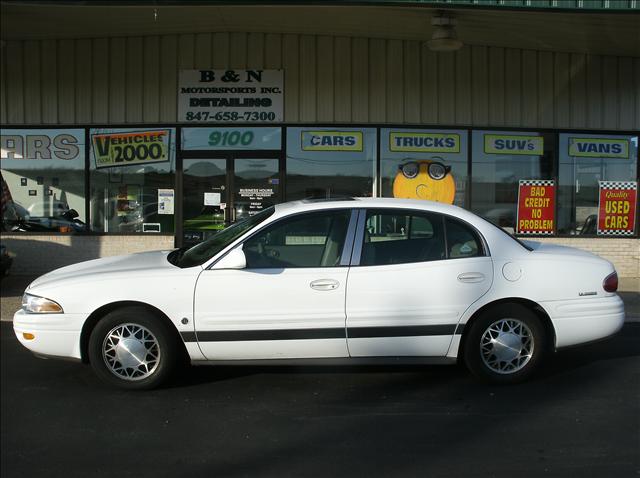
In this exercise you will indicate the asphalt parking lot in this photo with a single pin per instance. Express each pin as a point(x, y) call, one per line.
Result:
point(579, 417)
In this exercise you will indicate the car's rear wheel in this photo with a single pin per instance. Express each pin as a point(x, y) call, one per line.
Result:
point(505, 344)
point(133, 349)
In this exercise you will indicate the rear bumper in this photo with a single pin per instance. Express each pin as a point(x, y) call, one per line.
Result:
point(55, 335)
point(585, 320)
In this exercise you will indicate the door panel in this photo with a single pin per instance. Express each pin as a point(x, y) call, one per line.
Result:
point(410, 309)
point(414, 275)
point(270, 314)
point(286, 303)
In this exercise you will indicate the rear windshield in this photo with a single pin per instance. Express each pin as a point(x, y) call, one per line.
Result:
point(527, 247)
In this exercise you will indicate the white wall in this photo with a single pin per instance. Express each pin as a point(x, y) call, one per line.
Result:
point(327, 79)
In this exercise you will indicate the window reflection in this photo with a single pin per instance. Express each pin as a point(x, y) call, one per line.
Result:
point(42, 180)
point(500, 159)
point(329, 162)
point(586, 159)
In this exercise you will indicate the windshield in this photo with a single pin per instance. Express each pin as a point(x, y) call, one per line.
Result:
point(201, 253)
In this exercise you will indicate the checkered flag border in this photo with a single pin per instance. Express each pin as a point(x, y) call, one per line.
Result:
point(632, 185)
point(536, 182)
point(615, 233)
point(535, 233)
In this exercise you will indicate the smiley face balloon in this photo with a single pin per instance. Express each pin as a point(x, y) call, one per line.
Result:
point(429, 180)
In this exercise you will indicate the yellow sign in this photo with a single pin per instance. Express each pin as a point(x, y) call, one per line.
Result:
point(424, 142)
point(131, 147)
point(332, 141)
point(513, 144)
point(599, 148)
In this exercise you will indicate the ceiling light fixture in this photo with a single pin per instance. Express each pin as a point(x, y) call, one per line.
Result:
point(444, 37)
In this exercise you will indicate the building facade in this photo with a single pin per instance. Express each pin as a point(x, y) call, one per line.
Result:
point(161, 131)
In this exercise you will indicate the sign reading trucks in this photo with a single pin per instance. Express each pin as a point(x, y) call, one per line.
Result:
point(230, 96)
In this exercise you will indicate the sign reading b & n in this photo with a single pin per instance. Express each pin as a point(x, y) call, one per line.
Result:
point(536, 206)
point(617, 208)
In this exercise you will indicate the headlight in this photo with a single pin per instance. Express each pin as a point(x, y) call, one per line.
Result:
point(39, 305)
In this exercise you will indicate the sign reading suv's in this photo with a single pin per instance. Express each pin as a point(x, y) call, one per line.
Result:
point(230, 96)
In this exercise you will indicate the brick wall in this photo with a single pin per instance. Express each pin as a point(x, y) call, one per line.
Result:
point(37, 254)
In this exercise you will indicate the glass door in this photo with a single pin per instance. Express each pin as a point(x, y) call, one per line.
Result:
point(220, 191)
point(256, 186)
point(205, 198)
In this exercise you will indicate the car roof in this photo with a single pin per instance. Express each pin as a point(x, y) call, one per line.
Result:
point(293, 207)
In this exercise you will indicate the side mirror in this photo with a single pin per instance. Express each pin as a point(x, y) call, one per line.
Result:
point(233, 260)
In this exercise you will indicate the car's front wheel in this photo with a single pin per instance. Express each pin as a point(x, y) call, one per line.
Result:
point(131, 348)
point(505, 344)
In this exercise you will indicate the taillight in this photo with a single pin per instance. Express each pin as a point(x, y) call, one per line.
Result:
point(610, 283)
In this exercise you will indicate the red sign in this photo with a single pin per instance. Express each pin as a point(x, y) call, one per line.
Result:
point(617, 208)
point(536, 206)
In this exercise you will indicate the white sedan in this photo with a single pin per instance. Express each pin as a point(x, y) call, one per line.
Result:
point(342, 281)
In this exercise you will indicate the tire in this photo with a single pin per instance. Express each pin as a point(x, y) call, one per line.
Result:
point(516, 355)
point(131, 348)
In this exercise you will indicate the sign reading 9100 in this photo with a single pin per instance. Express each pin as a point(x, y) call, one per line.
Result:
point(131, 147)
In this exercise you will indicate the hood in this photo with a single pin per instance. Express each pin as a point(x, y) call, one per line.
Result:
point(107, 265)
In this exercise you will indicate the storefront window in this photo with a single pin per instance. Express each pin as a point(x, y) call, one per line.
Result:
point(500, 161)
point(324, 163)
point(132, 177)
point(43, 180)
point(424, 164)
point(593, 169)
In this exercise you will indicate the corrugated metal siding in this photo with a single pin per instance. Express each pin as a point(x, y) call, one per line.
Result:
point(327, 79)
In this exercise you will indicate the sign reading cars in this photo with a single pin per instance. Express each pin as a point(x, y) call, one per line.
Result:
point(131, 147)
point(332, 141)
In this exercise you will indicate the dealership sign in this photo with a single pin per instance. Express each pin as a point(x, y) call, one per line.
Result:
point(536, 206)
point(230, 96)
point(130, 147)
point(41, 144)
point(617, 208)
point(513, 144)
point(424, 142)
point(599, 148)
point(332, 141)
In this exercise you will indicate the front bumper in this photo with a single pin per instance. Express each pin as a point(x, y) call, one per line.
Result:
point(585, 320)
point(55, 335)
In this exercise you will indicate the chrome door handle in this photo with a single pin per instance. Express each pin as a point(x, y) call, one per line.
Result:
point(471, 277)
point(324, 284)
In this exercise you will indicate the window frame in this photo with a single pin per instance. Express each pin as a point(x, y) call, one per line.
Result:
point(347, 250)
point(358, 246)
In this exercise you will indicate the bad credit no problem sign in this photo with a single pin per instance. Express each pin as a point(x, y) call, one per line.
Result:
point(536, 206)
